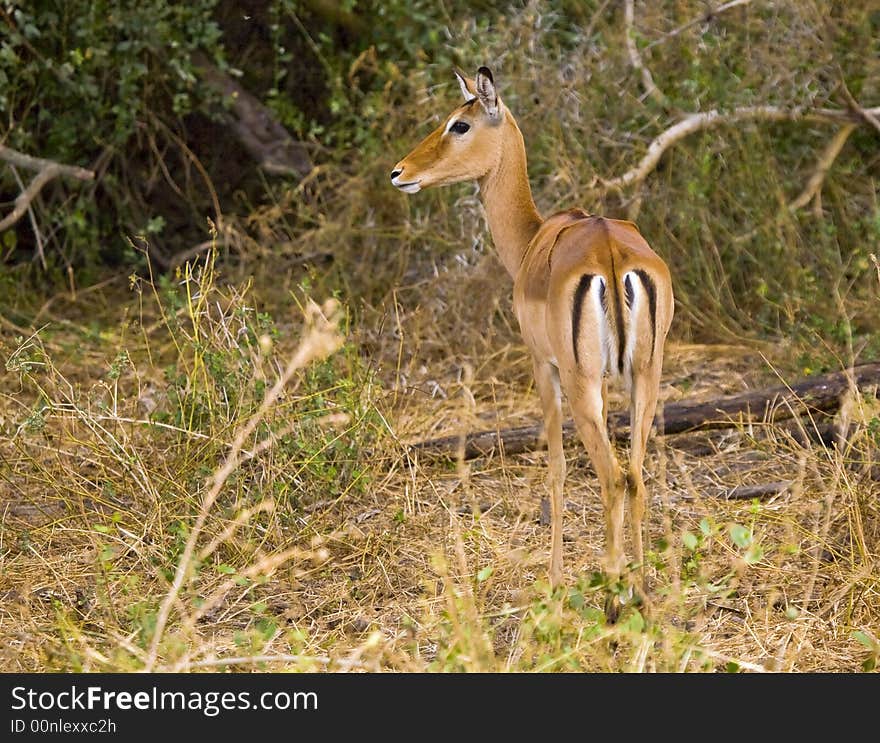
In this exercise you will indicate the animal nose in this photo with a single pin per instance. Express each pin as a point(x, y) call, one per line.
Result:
point(396, 172)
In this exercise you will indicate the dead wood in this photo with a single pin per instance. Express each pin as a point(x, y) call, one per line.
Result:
point(255, 126)
point(46, 170)
point(703, 120)
point(747, 492)
point(815, 395)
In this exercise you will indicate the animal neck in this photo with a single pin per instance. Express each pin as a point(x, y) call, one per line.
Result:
point(507, 198)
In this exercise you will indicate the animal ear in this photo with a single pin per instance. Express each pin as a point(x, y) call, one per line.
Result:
point(467, 86)
point(485, 89)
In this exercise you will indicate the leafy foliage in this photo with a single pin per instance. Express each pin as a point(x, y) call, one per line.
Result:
point(99, 84)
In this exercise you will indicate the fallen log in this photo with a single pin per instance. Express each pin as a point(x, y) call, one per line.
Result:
point(747, 492)
point(819, 394)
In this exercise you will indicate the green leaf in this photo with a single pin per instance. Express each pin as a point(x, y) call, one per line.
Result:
point(225, 569)
point(740, 535)
point(635, 622)
point(690, 541)
point(864, 638)
point(266, 627)
point(753, 554)
point(484, 573)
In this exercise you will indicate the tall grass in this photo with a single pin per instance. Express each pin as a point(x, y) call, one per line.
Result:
point(185, 458)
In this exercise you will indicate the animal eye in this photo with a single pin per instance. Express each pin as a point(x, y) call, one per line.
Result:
point(460, 127)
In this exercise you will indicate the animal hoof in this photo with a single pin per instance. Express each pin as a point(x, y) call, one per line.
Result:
point(612, 608)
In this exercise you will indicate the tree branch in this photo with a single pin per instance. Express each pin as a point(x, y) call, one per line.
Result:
point(41, 253)
point(705, 18)
point(46, 171)
point(828, 40)
point(866, 115)
point(701, 121)
point(823, 165)
point(635, 58)
point(256, 127)
point(813, 189)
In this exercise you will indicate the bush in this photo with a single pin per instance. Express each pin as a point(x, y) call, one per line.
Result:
point(103, 85)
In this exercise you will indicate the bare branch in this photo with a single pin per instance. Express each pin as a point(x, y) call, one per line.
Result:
point(747, 492)
point(828, 40)
point(46, 171)
point(813, 189)
point(808, 396)
point(823, 165)
point(635, 58)
point(705, 18)
point(697, 122)
point(29, 162)
point(41, 253)
point(255, 126)
point(865, 114)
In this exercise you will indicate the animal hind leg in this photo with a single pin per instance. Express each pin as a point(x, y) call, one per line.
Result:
point(643, 405)
point(547, 382)
point(587, 406)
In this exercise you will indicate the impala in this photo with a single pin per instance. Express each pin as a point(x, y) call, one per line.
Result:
point(592, 299)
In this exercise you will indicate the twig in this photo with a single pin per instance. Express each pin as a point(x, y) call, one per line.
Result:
point(705, 18)
point(813, 189)
point(254, 659)
point(866, 115)
point(701, 121)
point(178, 259)
point(46, 170)
point(823, 165)
point(635, 58)
point(827, 39)
point(41, 253)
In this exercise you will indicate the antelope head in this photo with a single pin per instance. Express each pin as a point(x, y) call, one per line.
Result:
point(465, 147)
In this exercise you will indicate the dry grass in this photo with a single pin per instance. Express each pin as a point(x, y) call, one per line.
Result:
point(411, 565)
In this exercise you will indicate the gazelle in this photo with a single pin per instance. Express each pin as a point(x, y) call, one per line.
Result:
point(591, 297)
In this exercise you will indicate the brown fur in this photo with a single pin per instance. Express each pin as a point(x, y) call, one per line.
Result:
point(547, 259)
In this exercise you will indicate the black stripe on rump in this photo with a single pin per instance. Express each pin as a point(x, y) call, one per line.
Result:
point(620, 329)
point(577, 309)
point(628, 292)
point(651, 291)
